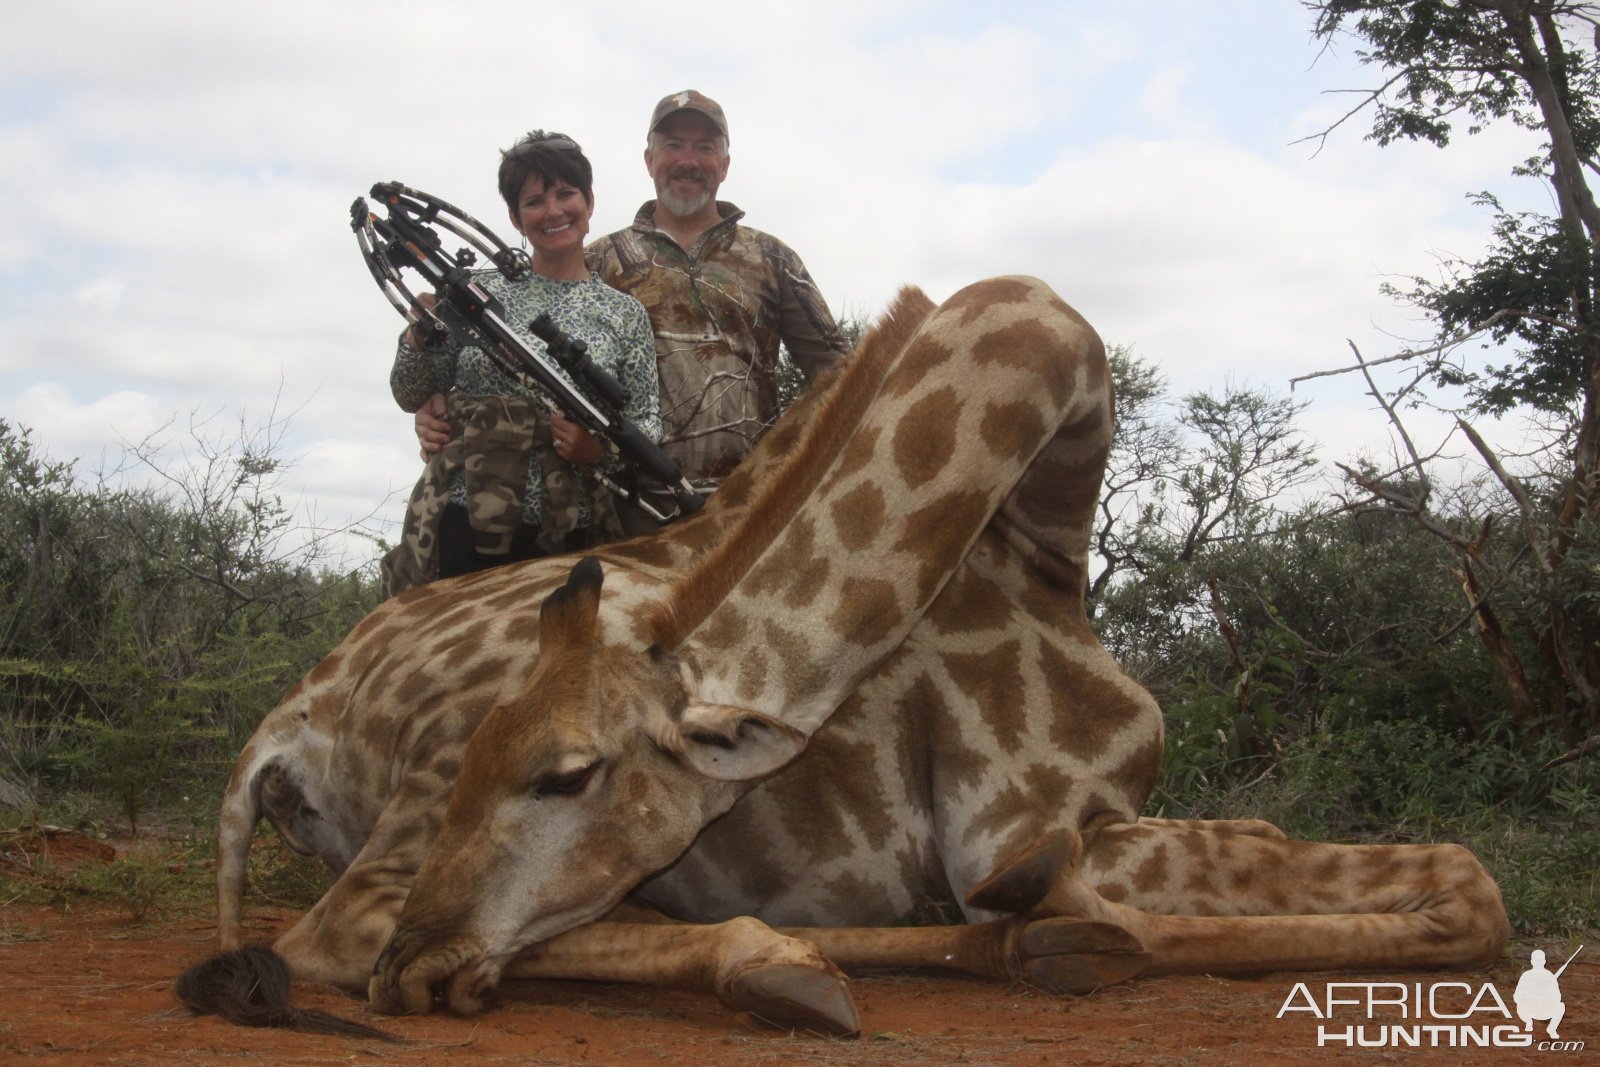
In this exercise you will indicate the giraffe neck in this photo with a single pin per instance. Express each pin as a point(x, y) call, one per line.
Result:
point(838, 578)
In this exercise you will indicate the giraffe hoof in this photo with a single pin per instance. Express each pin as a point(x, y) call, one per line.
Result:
point(1078, 956)
point(796, 998)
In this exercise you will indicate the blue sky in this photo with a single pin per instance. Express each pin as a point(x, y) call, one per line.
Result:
point(178, 176)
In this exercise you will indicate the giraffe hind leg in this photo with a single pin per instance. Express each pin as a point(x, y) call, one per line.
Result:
point(1208, 902)
point(1191, 900)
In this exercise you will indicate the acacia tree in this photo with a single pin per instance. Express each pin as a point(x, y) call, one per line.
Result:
point(1189, 473)
point(1535, 295)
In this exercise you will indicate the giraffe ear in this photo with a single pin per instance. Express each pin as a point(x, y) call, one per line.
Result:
point(732, 744)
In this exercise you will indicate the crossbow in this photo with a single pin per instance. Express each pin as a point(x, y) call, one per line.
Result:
point(466, 312)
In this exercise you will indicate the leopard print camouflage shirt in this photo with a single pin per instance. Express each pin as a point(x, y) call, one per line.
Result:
point(614, 326)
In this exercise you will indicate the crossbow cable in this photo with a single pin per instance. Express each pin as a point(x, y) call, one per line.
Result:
point(464, 310)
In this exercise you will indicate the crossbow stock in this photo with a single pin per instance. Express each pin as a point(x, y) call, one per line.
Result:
point(470, 315)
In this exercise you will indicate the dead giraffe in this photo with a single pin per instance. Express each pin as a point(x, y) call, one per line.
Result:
point(899, 594)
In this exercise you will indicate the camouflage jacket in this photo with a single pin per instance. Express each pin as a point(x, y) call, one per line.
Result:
point(618, 335)
point(719, 311)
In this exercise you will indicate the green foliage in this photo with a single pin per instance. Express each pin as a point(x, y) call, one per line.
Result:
point(1448, 60)
point(149, 631)
point(1533, 265)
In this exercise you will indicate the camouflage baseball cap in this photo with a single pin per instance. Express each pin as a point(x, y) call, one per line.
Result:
point(689, 100)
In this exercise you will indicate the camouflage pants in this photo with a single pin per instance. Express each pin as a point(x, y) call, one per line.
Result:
point(494, 438)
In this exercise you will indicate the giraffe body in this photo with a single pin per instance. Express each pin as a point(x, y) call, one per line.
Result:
point(892, 584)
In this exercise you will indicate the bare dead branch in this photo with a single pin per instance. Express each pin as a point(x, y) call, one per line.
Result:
point(1417, 353)
point(1586, 748)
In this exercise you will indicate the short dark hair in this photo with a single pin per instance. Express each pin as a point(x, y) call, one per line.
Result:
point(552, 157)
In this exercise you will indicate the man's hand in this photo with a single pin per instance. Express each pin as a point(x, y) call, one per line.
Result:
point(433, 432)
point(573, 443)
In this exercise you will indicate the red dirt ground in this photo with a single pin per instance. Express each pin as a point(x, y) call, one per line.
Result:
point(90, 987)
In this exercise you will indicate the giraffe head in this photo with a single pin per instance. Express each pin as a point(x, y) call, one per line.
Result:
point(600, 772)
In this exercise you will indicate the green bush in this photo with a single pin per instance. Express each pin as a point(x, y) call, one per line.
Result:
point(149, 632)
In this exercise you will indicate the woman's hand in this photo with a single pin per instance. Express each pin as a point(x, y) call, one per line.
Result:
point(573, 443)
point(416, 331)
point(433, 432)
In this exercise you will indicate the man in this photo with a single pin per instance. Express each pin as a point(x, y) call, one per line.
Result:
point(721, 296)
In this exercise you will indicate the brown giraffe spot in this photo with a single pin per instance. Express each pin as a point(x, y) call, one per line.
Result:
point(752, 673)
point(1115, 892)
point(1111, 845)
point(868, 611)
point(855, 786)
point(1012, 431)
point(802, 673)
point(456, 616)
point(773, 571)
point(956, 763)
point(920, 360)
point(925, 437)
point(1018, 345)
point(858, 516)
point(1201, 865)
point(1151, 875)
point(938, 534)
point(1137, 773)
point(725, 628)
point(523, 628)
point(970, 603)
point(992, 680)
point(983, 296)
point(858, 453)
point(489, 672)
point(806, 582)
point(330, 665)
point(1008, 817)
point(1086, 712)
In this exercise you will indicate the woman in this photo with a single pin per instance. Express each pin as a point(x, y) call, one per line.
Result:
point(515, 482)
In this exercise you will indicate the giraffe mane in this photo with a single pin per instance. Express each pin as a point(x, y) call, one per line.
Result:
point(850, 392)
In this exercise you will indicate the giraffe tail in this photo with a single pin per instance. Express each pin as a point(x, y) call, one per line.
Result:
point(250, 987)
point(241, 810)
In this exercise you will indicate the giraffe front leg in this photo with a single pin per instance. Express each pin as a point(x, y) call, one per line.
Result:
point(782, 981)
point(337, 940)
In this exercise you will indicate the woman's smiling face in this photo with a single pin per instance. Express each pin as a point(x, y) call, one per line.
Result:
point(555, 219)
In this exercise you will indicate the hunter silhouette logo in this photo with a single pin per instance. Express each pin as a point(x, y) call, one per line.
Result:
point(1449, 1014)
point(1538, 994)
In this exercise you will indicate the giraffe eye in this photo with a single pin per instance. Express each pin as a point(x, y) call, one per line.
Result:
point(565, 783)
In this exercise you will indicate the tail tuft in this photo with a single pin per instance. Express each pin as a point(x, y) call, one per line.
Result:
point(250, 987)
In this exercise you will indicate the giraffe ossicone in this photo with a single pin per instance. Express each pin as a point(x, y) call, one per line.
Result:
point(861, 681)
